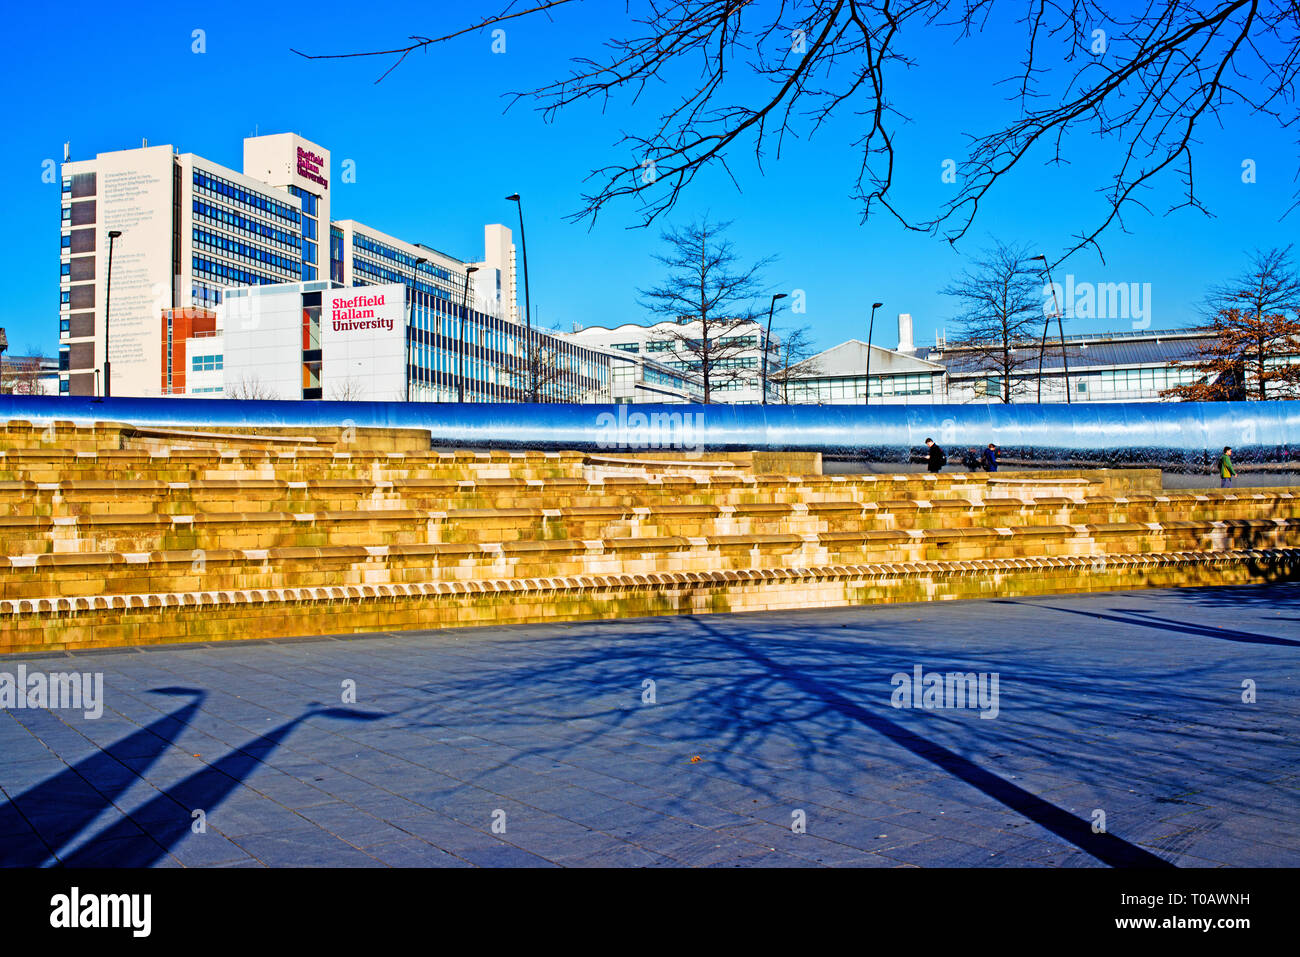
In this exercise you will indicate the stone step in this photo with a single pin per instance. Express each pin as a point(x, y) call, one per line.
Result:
point(170, 529)
point(88, 574)
point(301, 466)
point(71, 497)
point(61, 623)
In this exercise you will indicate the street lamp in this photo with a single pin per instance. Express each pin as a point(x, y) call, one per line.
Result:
point(871, 328)
point(1042, 346)
point(108, 299)
point(528, 312)
point(767, 343)
point(410, 327)
point(460, 339)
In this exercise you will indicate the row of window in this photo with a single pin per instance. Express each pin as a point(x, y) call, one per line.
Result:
point(726, 362)
point(232, 275)
point(403, 259)
point(657, 377)
point(205, 295)
point(673, 345)
point(246, 253)
point(381, 275)
point(734, 385)
point(1137, 380)
point(309, 200)
point(211, 183)
point(206, 363)
point(235, 221)
point(851, 387)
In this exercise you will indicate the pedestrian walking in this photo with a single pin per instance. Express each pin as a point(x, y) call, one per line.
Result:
point(991, 458)
point(937, 459)
point(1225, 469)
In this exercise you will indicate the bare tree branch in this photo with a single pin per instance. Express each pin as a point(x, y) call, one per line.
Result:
point(1147, 76)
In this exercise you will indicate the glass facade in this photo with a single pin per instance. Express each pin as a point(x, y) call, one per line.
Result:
point(242, 237)
point(841, 389)
point(494, 358)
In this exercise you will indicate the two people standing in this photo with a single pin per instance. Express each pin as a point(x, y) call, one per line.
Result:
point(937, 458)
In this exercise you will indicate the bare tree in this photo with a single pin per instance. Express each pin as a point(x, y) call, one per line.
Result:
point(1254, 349)
point(794, 360)
point(1001, 298)
point(546, 381)
point(710, 296)
point(250, 387)
point(350, 390)
point(1145, 76)
point(21, 375)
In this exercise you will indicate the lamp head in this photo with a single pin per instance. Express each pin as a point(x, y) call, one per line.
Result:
point(114, 233)
point(876, 305)
point(512, 198)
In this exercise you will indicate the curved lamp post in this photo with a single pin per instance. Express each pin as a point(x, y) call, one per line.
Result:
point(871, 328)
point(108, 294)
point(460, 339)
point(1060, 329)
point(410, 330)
point(767, 343)
point(528, 310)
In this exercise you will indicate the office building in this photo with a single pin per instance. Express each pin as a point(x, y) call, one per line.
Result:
point(180, 230)
point(1131, 366)
point(735, 366)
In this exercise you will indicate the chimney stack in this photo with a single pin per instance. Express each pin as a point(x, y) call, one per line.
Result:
point(905, 343)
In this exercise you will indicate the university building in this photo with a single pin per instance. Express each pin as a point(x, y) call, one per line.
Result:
point(390, 343)
point(735, 372)
point(1132, 366)
point(181, 230)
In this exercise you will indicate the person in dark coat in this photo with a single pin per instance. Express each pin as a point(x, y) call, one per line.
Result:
point(937, 458)
point(991, 458)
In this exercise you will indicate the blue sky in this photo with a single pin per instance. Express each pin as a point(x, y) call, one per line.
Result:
point(435, 152)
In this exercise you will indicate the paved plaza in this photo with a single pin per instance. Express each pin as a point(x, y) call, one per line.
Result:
point(1116, 735)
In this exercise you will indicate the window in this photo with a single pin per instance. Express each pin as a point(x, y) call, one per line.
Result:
point(67, 214)
point(65, 269)
point(65, 241)
point(206, 363)
point(83, 213)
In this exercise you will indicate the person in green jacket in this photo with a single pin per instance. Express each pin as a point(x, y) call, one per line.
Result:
point(1224, 465)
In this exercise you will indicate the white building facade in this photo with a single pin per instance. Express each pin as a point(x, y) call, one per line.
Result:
point(188, 229)
point(735, 369)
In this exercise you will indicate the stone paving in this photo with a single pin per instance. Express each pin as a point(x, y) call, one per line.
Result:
point(693, 741)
